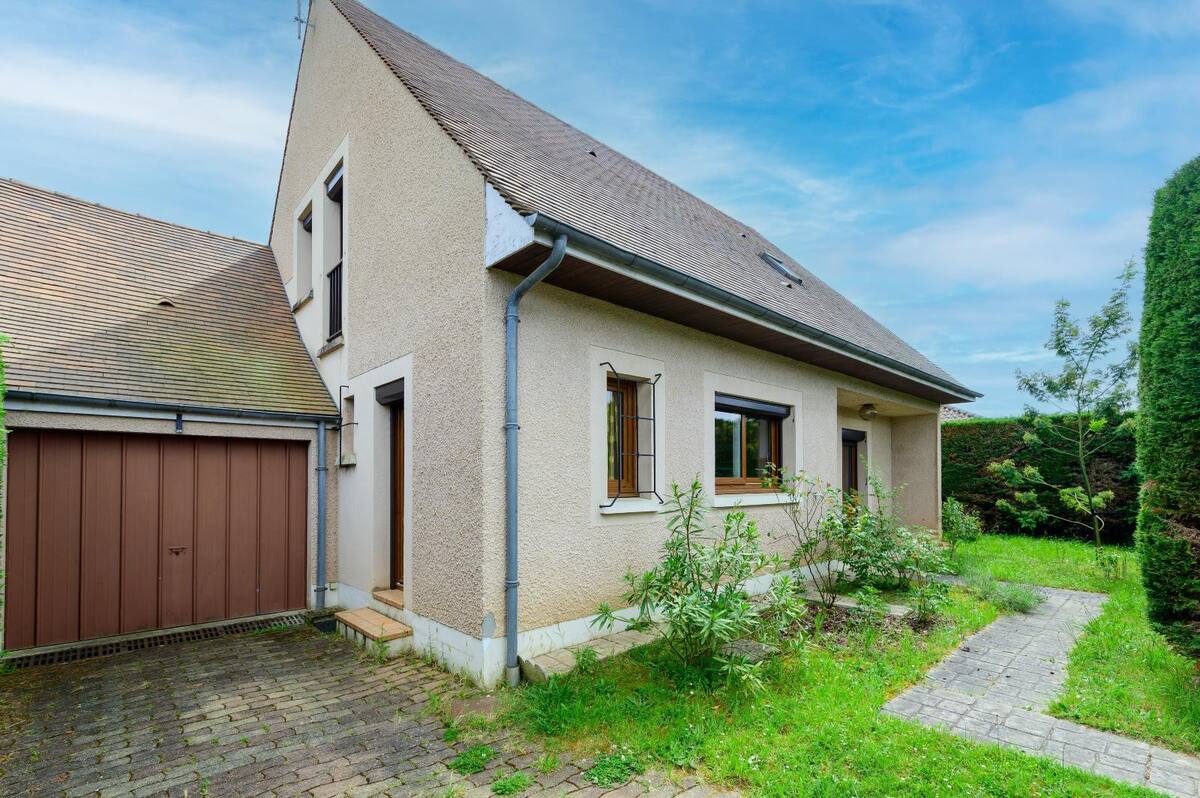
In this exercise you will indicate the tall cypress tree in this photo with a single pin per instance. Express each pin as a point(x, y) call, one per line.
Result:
point(1168, 432)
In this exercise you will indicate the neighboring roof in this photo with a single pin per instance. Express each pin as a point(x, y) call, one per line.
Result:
point(80, 293)
point(952, 413)
point(540, 164)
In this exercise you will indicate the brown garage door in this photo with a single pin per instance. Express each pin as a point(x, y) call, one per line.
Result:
point(110, 534)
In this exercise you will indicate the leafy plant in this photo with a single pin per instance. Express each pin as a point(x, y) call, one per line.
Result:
point(877, 547)
point(698, 587)
point(613, 769)
point(586, 659)
point(870, 608)
point(473, 760)
point(928, 600)
point(1168, 432)
point(1091, 392)
point(512, 783)
point(815, 523)
point(959, 524)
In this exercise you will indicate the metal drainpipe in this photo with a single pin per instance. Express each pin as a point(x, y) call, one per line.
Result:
point(512, 670)
point(321, 471)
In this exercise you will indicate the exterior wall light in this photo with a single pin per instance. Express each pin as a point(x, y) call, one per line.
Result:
point(867, 412)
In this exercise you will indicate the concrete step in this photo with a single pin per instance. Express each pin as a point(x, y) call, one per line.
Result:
point(389, 603)
point(374, 631)
point(553, 663)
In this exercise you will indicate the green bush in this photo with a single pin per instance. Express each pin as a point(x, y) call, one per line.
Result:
point(698, 589)
point(1168, 432)
point(959, 523)
point(969, 446)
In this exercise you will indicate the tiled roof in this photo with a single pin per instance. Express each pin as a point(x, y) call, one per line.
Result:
point(540, 164)
point(952, 413)
point(82, 289)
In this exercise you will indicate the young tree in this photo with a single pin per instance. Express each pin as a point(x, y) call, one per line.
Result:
point(1168, 430)
point(1090, 392)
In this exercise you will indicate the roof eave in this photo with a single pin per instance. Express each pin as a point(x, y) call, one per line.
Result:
point(613, 256)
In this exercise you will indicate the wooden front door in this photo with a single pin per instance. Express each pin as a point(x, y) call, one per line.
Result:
point(397, 483)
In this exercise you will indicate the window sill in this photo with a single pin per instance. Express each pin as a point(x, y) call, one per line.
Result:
point(302, 301)
point(750, 499)
point(332, 345)
point(627, 506)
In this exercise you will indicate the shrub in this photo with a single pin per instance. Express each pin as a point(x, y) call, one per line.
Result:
point(698, 588)
point(928, 600)
point(969, 446)
point(814, 528)
point(959, 524)
point(1168, 429)
point(879, 549)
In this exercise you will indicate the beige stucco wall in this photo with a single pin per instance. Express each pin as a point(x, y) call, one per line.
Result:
point(414, 216)
point(572, 556)
point(917, 464)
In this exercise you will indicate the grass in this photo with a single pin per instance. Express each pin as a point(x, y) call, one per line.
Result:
point(1050, 562)
point(1122, 677)
point(512, 784)
point(813, 730)
point(473, 760)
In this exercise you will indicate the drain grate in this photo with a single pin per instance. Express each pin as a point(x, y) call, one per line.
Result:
point(166, 638)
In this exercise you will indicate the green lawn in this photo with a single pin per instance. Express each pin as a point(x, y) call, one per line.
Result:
point(814, 730)
point(1122, 676)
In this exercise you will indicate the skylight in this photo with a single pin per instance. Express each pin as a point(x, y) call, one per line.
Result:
point(779, 266)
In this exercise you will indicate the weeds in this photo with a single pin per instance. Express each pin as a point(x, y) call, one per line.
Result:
point(473, 760)
point(512, 784)
point(613, 769)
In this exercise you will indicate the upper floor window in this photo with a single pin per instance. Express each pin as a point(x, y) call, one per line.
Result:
point(748, 437)
point(335, 228)
point(304, 246)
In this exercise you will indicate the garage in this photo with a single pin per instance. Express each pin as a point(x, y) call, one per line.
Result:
point(113, 533)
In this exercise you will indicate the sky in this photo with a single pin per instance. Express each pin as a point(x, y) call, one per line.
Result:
point(952, 168)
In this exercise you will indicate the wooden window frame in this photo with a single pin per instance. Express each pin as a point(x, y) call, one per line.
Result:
point(626, 485)
point(753, 484)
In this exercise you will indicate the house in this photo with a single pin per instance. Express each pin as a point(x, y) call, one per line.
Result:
point(422, 212)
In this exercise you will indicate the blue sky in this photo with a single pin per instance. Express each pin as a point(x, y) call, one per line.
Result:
point(954, 168)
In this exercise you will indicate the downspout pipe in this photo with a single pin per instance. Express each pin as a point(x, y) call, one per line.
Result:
point(322, 470)
point(512, 669)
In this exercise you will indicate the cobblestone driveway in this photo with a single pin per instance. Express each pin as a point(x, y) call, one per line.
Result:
point(286, 713)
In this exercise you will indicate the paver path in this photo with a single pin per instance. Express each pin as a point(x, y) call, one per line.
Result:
point(997, 685)
point(282, 713)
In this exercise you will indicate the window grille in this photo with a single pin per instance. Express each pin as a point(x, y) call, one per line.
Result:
point(631, 450)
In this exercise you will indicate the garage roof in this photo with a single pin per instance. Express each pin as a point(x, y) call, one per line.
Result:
point(543, 165)
point(102, 303)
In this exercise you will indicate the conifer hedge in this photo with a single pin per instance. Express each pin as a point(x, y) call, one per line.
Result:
point(969, 445)
point(1168, 431)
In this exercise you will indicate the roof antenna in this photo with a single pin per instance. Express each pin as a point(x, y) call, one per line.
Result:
point(301, 22)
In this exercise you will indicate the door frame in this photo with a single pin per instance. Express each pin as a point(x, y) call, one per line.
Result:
point(396, 494)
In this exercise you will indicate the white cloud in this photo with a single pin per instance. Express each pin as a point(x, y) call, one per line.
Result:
point(1008, 356)
point(1167, 18)
point(221, 114)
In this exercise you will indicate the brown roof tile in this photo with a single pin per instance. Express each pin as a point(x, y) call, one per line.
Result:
point(80, 287)
point(540, 164)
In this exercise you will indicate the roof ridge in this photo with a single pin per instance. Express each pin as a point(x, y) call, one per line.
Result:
point(155, 219)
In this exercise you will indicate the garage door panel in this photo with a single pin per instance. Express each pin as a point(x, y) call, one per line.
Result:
point(58, 539)
point(243, 528)
point(178, 532)
point(272, 527)
point(100, 552)
point(297, 512)
point(212, 515)
point(20, 605)
point(112, 533)
point(139, 539)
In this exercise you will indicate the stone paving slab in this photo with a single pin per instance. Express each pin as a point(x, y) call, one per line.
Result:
point(287, 713)
point(997, 685)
